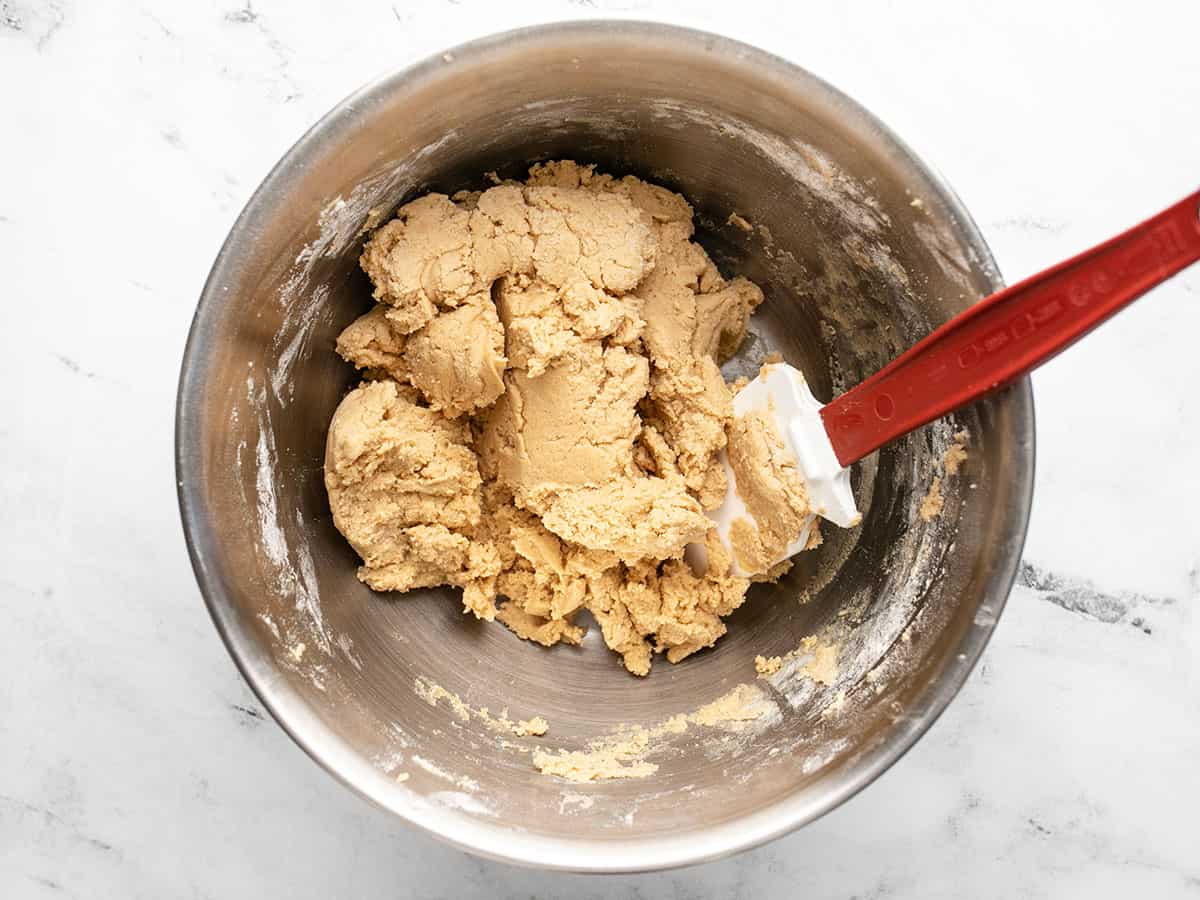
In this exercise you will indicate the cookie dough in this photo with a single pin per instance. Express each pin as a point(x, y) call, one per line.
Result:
point(771, 486)
point(767, 665)
point(405, 490)
point(542, 413)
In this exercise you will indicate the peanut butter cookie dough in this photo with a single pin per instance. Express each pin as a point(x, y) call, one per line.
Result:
point(542, 412)
point(771, 486)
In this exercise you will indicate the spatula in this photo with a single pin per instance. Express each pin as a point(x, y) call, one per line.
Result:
point(981, 350)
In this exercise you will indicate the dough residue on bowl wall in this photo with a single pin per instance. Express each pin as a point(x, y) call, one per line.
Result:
point(816, 660)
point(624, 753)
point(433, 694)
point(956, 454)
point(742, 711)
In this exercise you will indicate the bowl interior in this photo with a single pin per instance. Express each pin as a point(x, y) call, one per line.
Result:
point(859, 252)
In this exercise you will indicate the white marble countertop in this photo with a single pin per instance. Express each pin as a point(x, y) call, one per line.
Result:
point(134, 762)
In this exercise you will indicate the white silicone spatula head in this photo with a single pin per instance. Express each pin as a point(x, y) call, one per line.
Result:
point(783, 391)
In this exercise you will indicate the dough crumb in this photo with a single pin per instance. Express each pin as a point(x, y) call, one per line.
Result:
point(818, 661)
point(821, 665)
point(767, 665)
point(931, 506)
point(956, 453)
point(739, 222)
point(536, 727)
point(433, 693)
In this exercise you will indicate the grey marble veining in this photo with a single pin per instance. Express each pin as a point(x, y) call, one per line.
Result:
point(133, 761)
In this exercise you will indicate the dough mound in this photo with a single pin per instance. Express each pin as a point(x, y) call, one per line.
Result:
point(405, 491)
point(543, 411)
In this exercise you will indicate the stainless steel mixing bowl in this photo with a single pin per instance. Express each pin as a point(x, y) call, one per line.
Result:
point(860, 250)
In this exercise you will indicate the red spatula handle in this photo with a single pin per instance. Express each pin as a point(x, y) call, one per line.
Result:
point(1010, 333)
